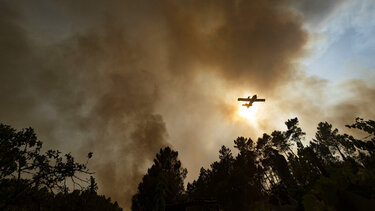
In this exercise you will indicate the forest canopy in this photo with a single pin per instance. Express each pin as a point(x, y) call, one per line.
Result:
point(278, 171)
point(35, 179)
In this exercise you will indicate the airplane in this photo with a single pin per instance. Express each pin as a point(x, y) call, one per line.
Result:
point(251, 100)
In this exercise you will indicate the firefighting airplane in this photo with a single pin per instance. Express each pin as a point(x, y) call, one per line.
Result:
point(251, 100)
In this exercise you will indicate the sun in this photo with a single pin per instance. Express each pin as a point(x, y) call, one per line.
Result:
point(249, 114)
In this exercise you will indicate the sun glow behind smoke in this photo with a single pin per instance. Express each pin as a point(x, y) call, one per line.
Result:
point(250, 114)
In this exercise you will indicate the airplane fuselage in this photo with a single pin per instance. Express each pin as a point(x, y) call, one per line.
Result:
point(251, 100)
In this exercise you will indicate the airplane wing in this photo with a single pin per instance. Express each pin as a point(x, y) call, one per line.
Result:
point(244, 99)
point(260, 100)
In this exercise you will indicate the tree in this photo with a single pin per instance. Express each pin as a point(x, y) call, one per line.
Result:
point(32, 180)
point(163, 184)
point(329, 138)
point(269, 175)
point(368, 142)
point(294, 132)
point(24, 167)
point(233, 182)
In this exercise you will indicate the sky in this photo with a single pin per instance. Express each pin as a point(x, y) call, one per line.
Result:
point(124, 78)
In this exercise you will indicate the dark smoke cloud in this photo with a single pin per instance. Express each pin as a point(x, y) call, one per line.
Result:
point(93, 90)
point(315, 11)
point(123, 79)
point(237, 39)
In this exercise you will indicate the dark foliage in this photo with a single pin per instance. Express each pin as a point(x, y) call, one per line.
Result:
point(279, 172)
point(163, 183)
point(32, 180)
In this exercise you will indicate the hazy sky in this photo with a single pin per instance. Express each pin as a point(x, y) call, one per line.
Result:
point(344, 45)
point(124, 78)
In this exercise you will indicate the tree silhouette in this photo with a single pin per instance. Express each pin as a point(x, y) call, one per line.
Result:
point(32, 180)
point(282, 172)
point(163, 184)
